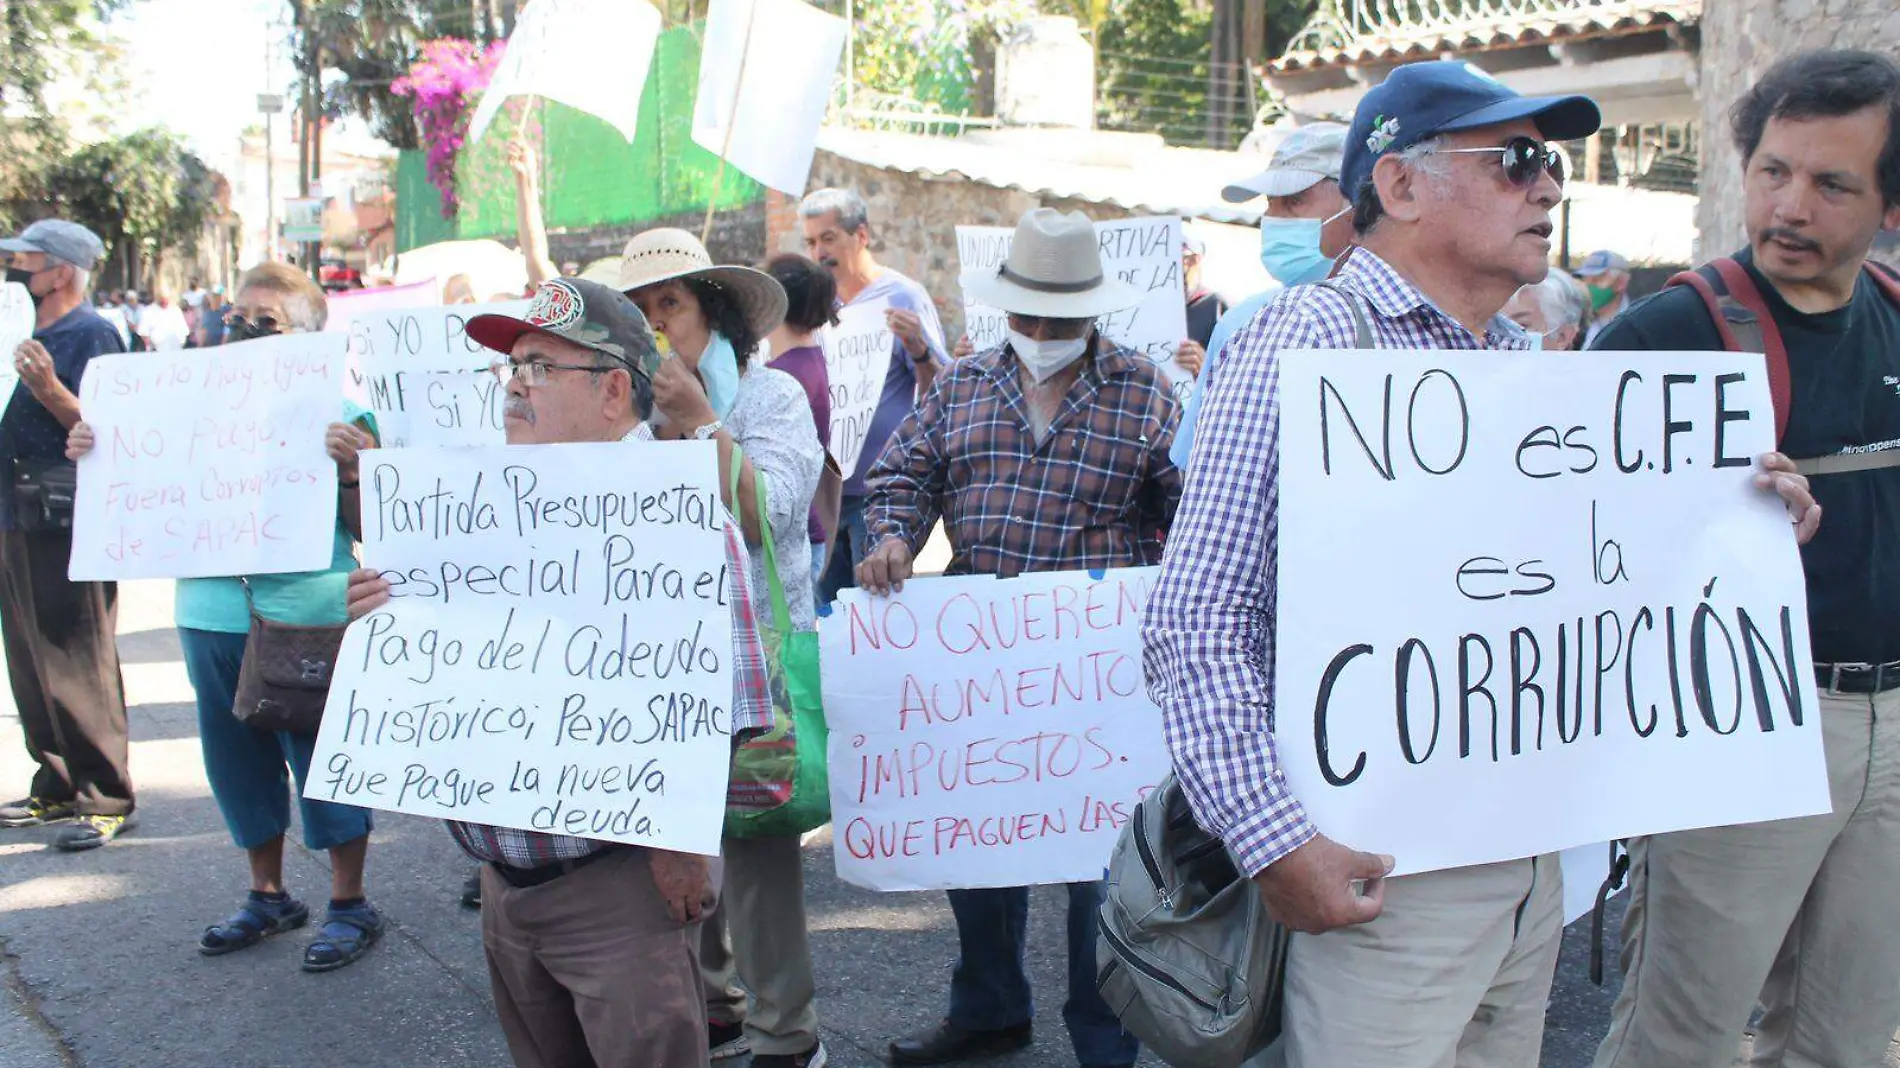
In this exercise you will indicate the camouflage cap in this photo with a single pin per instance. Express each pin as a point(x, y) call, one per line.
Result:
point(585, 313)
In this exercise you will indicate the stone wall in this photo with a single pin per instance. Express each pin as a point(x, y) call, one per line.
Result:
point(1740, 40)
point(914, 219)
point(738, 236)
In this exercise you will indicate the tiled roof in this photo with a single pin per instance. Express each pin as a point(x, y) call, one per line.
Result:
point(1332, 40)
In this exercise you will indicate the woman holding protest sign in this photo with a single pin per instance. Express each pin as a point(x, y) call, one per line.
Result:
point(712, 388)
point(224, 622)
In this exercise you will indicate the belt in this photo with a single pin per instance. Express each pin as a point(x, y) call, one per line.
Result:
point(1857, 678)
point(523, 878)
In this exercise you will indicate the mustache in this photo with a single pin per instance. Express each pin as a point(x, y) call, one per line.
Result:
point(520, 409)
point(828, 262)
point(1781, 233)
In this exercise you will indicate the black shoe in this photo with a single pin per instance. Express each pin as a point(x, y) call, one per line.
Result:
point(946, 1043)
point(472, 891)
point(726, 1041)
point(91, 832)
point(35, 812)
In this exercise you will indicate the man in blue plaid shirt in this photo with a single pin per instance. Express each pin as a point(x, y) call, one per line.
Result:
point(1049, 453)
point(593, 947)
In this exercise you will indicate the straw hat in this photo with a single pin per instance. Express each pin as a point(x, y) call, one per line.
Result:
point(662, 255)
point(1054, 270)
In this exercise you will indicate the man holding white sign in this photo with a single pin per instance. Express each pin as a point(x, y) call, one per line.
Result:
point(1049, 453)
point(592, 942)
point(1798, 914)
point(1453, 185)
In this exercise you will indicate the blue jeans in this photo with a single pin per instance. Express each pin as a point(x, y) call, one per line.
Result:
point(989, 989)
point(843, 572)
point(250, 770)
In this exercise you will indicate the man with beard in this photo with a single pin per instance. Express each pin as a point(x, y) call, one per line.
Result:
point(838, 235)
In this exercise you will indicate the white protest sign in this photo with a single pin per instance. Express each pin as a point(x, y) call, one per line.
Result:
point(1527, 604)
point(987, 732)
point(16, 325)
point(352, 304)
point(556, 654)
point(425, 379)
point(209, 461)
point(767, 126)
point(1144, 252)
point(857, 358)
point(591, 55)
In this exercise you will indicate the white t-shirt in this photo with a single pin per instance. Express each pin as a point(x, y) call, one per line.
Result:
point(164, 326)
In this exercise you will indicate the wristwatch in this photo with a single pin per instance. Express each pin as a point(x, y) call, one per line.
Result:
point(706, 432)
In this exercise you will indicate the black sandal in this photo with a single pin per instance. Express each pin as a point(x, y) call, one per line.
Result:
point(255, 920)
point(345, 936)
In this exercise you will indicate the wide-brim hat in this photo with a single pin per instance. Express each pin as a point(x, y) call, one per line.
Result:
point(666, 254)
point(1054, 270)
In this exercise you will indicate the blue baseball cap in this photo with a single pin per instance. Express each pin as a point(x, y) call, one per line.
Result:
point(1422, 100)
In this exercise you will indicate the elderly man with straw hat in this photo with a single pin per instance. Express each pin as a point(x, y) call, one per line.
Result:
point(1048, 453)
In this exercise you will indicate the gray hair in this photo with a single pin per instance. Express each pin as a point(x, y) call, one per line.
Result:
point(1425, 158)
point(845, 204)
point(640, 397)
point(82, 278)
point(1563, 300)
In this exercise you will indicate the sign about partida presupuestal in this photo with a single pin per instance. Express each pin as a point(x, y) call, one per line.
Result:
point(425, 379)
point(556, 653)
point(209, 461)
point(987, 732)
point(1144, 252)
point(1528, 604)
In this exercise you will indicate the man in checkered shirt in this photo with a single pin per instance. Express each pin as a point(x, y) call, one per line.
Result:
point(1452, 183)
point(1049, 453)
point(592, 946)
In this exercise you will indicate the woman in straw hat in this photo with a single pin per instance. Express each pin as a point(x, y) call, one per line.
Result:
point(716, 386)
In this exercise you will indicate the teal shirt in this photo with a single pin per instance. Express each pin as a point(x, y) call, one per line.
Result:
point(308, 598)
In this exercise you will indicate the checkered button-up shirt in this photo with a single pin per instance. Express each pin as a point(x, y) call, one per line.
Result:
point(751, 713)
point(1097, 490)
point(1209, 630)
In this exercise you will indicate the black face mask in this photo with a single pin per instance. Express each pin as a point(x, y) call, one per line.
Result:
point(25, 278)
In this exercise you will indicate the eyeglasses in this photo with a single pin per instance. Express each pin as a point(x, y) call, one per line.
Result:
point(1525, 160)
point(258, 327)
point(534, 373)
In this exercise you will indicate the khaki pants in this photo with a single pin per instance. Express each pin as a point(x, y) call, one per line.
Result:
point(589, 970)
point(1802, 915)
point(1455, 972)
point(758, 932)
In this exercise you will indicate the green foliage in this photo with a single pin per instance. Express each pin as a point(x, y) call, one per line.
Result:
point(916, 53)
point(1152, 67)
point(145, 189)
point(40, 41)
point(375, 42)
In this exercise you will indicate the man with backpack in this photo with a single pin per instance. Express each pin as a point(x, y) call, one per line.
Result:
point(1802, 914)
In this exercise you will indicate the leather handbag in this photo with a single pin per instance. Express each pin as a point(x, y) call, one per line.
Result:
point(284, 681)
point(43, 493)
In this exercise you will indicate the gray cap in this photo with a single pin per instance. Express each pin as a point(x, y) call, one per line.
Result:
point(1602, 261)
point(1308, 155)
point(65, 241)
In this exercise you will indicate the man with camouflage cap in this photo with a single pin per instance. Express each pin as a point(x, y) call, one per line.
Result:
point(593, 946)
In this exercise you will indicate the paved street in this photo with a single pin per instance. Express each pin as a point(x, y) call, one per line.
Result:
point(99, 967)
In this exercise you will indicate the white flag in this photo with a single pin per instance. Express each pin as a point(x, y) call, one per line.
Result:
point(591, 55)
point(793, 58)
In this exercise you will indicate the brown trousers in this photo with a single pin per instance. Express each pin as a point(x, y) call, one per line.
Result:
point(63, 660)
point(589, 971)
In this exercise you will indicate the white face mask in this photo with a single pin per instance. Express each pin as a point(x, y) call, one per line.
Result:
point(1044, 358)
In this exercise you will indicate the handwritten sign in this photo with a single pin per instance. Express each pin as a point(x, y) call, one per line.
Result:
point(857, 357)
point(1144, 252)
point(424, 377)
point(987, 732)
point(209, 461)
point(352, 304)
point(1530, 604)
point(556, 654)
point(16, 325)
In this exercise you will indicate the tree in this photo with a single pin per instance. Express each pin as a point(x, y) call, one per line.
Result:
point(145, 195)
point(41, 41)
point(375, 42)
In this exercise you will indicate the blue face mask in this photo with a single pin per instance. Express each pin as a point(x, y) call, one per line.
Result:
point(719, 369)
point(1289, 250)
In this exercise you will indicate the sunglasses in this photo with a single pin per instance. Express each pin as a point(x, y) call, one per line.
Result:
point(259, 327)
point(1526, 159)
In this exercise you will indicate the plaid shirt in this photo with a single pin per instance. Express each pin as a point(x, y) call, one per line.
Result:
point(1209, 629)
point(1097, 491)
point(751, 713)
